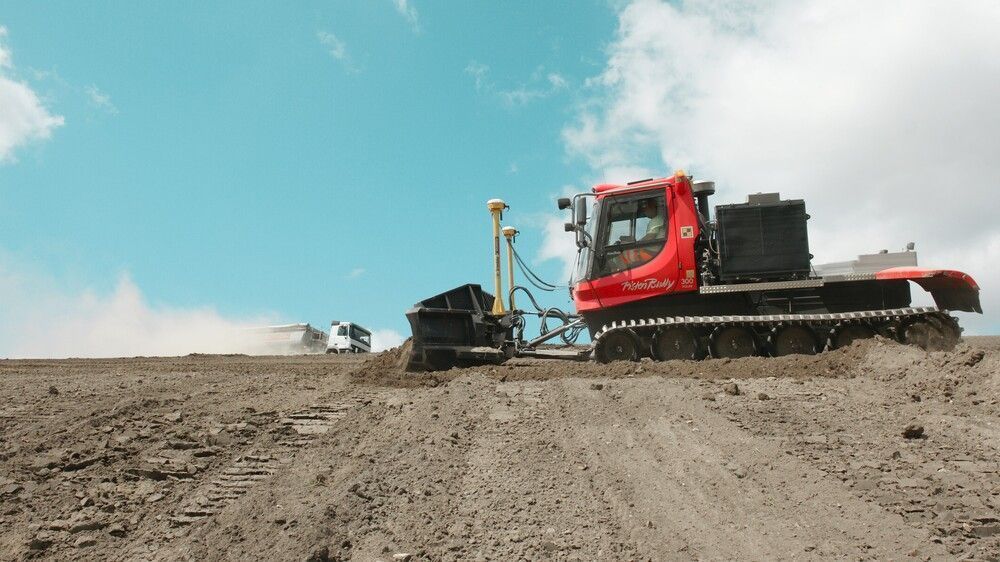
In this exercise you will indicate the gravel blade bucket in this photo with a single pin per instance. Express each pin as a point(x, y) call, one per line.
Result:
point(455, 328)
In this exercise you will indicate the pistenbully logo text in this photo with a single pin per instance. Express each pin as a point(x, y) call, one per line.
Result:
point(647, 284)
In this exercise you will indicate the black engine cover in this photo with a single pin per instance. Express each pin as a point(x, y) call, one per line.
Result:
point(763, 239)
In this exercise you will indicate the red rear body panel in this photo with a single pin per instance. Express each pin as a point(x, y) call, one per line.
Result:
point(952, 290)
point(930, 278)
point(673, 270)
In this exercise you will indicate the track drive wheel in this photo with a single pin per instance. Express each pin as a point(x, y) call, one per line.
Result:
point(733, 342)
point(847, 335)
point(619, 345)
point(950, 333)
point(931, 336)
point(675, 343)
point(792, 340)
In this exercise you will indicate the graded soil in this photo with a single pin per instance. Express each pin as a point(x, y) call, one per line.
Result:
point(876, 451)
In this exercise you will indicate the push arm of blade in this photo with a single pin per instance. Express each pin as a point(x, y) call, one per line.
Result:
point(554, 333)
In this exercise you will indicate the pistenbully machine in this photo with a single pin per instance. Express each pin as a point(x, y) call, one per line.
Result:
point(657, 276)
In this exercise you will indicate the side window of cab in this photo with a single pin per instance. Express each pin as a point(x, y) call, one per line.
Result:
point(633, 233)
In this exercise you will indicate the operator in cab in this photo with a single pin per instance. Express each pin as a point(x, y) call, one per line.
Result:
point(656, 227)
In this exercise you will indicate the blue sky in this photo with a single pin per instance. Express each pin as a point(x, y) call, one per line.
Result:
point(171, 164)
point(327, 161)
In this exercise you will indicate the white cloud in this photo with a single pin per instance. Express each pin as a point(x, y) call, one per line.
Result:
point(356, 272)
point(40, 319)
point(882, 115)
point(100, 99)
point(539, 86)
point(23, 118)
point(386, 339)
point(409, 12)
point(337, 49)
point(479, 73)
point(556, 81)
point(6, 60)
point(559, 245)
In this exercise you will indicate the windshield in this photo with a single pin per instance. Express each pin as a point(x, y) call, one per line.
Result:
point(583, 254)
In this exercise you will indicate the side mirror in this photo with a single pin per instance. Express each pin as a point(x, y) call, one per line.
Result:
point(580, 212)
point(564, 203)
point(569, 227)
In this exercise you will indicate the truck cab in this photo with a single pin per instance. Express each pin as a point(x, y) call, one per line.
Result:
point(639, 241)
point(348, 337)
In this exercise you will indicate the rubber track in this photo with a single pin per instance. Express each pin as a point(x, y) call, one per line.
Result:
point(767, 320)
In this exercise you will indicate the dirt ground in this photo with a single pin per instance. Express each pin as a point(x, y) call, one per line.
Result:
point(328, 458)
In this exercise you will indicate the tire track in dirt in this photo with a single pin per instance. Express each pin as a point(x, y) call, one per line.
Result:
point(99, 452)
point(945, 483)
point(277, 440)
point(524, 494)
point(694, 485)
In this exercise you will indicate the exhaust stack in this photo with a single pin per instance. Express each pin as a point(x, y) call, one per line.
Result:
point(701, 190)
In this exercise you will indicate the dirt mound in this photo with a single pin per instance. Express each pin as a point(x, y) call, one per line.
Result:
point(386, 368)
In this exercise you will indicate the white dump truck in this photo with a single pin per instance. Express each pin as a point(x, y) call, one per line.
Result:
point(347, 337)
point(290, 339)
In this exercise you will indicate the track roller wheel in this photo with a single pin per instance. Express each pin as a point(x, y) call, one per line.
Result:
point(918, 334)
point(675, 343)
point(620, 345)
point(891, 330)
point(792, 340)
point(733, 342)
point(846, 335)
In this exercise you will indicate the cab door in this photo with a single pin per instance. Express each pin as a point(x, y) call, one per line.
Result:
point(636, 253)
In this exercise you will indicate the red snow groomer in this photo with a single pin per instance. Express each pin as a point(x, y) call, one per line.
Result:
point(657, 276)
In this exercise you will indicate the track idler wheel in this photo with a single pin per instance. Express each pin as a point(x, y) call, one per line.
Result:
point(733, 342)
point(846, 335)
point(794, 340)
point(619, 345)
point(675, 343)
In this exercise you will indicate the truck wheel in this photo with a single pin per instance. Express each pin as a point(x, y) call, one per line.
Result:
point(675, 343)
point(733, 342)
point(619, 345)
point(792, 340)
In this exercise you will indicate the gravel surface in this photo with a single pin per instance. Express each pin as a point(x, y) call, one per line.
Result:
point(878, 451)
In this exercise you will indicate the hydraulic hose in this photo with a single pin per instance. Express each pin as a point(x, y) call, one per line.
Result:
point(569, 337)
point(533, 278)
